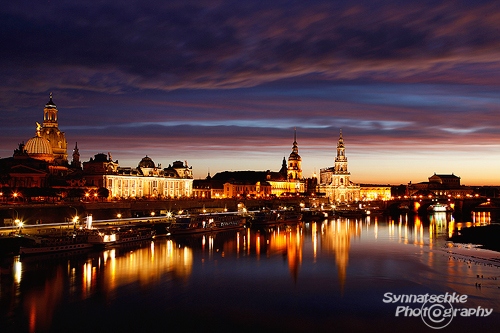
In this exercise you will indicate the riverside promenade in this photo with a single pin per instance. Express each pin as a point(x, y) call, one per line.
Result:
point(63, 211)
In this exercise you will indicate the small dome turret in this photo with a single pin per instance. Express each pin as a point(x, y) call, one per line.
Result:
point(147, 162)
point(50, 103)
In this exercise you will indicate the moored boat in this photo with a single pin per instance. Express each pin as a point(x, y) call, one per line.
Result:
point(314, 215)
point(50, 243)
point(275, 216)
point(202, 223)
point(353, 212)
point(120, 235)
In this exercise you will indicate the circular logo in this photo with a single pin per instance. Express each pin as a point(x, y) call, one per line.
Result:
point(437, 315)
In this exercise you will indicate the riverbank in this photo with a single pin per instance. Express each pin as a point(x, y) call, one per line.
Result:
point(487, 236)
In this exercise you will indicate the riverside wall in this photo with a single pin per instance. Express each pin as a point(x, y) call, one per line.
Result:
point(40, 213)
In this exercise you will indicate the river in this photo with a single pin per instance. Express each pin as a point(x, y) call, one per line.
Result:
point(343, 275)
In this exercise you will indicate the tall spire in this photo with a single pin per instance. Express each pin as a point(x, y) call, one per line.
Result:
point(76, 157)
point(294, 160)
point(284, 168)
point(340, 144)
point(341, 159)
point(295, 148)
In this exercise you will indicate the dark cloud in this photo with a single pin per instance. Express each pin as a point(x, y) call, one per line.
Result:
point(202, 44)
point(196, 76)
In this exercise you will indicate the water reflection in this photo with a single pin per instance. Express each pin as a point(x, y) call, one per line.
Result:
point(336, 239)
point(38, 286)
point(40, 282)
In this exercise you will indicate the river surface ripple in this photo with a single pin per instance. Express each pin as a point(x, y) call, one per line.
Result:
point(336, 275)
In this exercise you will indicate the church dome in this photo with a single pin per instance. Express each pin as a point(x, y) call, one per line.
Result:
point(147, 162)
point(38, 145)
point(40, 149)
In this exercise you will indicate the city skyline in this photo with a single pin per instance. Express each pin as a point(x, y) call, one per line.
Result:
point(412, 85)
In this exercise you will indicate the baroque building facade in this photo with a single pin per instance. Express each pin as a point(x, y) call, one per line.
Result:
point(335, 181)
point(147, 180)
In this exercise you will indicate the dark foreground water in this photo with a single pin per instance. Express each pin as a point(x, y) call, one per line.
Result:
point(333, 276)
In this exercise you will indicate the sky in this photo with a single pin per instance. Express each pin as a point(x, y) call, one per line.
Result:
point(413, 85)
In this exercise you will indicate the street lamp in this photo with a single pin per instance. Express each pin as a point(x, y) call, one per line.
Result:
point(20, 224)
point(16, 220)
point(75, 218)
point(76, 213)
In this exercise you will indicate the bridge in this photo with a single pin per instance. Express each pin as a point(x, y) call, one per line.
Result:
point(462, 206)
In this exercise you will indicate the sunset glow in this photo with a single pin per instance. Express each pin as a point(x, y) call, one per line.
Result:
point(412, 84)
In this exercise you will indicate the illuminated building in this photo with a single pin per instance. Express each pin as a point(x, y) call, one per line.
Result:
point(39, 148)
point(49, 143)
point(21, 170)
point(440, 185)
point(335, 181)
point(232, 184)
point(208, 188)
point(147, 180)
point(374, 192)
point(42, 161)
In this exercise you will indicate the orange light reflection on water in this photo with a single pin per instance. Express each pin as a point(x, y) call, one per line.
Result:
point(116, 267)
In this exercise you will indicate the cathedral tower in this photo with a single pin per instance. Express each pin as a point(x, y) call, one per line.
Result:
point(75, 163)
point(294, 171)
point(341, 175)
point(50, 131)
point(335, 181)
